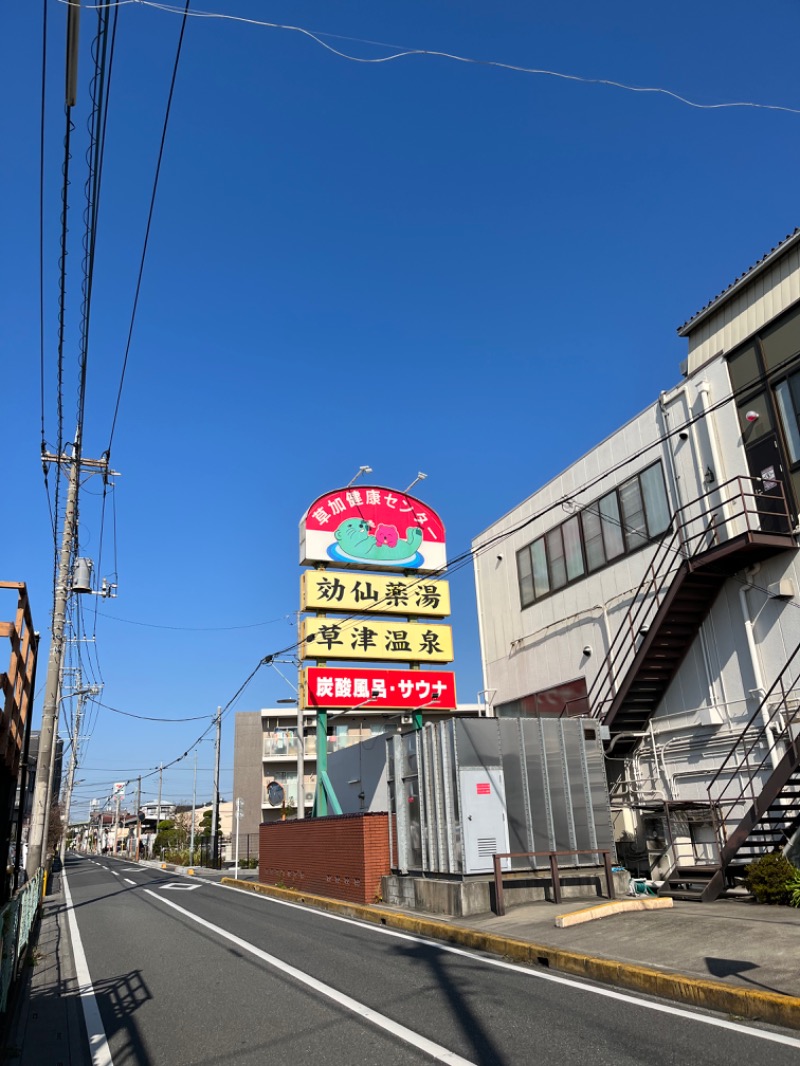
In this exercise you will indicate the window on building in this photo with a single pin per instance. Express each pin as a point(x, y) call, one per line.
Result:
point(788, 394)
point(617, 524)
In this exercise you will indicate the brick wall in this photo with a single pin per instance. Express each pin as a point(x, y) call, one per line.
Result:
point(343, 856)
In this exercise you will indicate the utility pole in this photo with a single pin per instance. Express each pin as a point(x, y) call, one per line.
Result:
point(194, 807)
point(215, 808)
point(43, 790)
point(73, 760)
point(116, 824)
point(139, 817)
point(158, 808)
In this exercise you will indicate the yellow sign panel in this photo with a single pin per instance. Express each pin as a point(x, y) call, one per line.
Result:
point(365, 639)
point(323, 590)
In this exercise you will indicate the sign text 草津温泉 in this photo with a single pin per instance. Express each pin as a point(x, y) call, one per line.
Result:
point(413, 642)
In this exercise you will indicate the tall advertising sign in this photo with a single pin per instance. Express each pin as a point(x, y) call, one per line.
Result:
point(372, 529)
point(374, 597)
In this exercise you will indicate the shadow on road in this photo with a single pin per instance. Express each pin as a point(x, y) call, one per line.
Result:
point(484, 1052)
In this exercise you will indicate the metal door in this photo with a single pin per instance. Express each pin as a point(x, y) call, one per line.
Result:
point(766, 465)
point(485, 825)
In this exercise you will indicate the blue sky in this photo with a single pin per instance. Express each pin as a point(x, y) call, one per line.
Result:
point(421, 264)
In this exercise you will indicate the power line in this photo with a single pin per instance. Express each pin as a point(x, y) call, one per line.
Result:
point(41, 229)
point(149, 718)
point(405, 52)
point(194, 629)
point(149, 224)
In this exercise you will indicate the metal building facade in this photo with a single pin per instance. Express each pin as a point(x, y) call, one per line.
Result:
point(464, 790)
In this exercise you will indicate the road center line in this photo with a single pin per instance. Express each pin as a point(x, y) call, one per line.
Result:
point(609, 993)
point(436, 1051)
point(98, 1044)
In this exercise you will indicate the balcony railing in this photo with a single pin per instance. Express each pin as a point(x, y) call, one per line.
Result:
point(278, 746)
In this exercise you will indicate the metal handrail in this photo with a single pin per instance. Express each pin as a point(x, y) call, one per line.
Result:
point(759, 732)
point(499, 899)
point(712, 519)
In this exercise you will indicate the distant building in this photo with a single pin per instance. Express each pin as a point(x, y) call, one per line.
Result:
point(265, 754)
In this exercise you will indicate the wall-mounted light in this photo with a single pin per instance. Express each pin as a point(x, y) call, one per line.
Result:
point(752, 416)
point(684, 434)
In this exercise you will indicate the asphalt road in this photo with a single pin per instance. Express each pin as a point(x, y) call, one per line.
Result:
point(191, 972)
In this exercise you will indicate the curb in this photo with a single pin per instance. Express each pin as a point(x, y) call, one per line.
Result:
point(697, 992)
point(616, 906)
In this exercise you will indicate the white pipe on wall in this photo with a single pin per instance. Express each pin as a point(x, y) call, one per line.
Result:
point(755, 661)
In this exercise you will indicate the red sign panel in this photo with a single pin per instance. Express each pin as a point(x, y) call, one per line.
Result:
point(408, 690)
point(483, 788)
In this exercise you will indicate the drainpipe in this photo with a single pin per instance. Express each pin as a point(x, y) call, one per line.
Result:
point(662, 406)
point(755, 662)
point(606, 627)
point(680, 502)
point(703, 391)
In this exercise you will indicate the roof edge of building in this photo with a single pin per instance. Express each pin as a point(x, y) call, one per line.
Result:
point(744, 279)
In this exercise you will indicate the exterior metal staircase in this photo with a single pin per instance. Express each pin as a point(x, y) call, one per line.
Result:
point(756, 791)
point(728, 528)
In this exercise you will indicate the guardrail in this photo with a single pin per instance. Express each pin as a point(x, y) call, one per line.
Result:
point(17, 919)
point(499, 900)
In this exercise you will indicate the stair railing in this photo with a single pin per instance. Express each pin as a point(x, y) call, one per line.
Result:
point(726, 511)
point(771, 730)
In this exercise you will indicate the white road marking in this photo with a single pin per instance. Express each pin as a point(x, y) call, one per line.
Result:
point(129, 880)
point(178, 886)
point(436, 1051)
point(626, 997)
point(98, 1044)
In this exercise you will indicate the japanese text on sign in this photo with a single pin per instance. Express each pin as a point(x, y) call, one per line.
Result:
point(322, 590)
point(322, 638)
point(378, 689)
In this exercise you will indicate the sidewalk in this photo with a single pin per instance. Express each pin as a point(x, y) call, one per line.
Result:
point(45, 1025)
point(734, 941)
point(732, 956)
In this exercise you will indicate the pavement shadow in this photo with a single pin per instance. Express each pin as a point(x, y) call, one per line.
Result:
point(484, 1051)
point(723, 968)
point(119, 998)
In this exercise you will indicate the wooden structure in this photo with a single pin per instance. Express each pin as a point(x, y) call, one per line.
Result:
point(16, 693)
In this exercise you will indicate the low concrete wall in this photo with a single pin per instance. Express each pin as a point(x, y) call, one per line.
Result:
point(476, 896)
